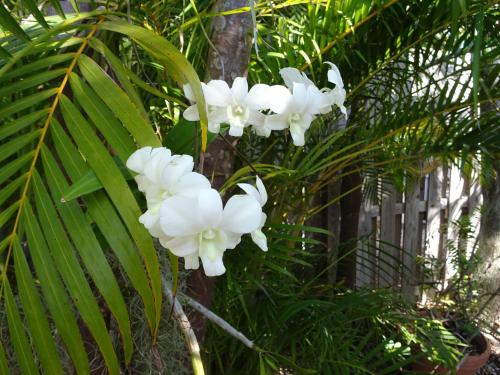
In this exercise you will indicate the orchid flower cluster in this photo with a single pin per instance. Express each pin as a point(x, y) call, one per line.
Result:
point(266, 108)
point(187, 216)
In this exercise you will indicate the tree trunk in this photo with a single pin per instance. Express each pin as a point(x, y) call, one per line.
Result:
point(489, 244)
point(232, 40)
point(350, 206)
point(489, 235)
point(349, 213)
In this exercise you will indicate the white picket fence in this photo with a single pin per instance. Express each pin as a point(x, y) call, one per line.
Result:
point(405, 227)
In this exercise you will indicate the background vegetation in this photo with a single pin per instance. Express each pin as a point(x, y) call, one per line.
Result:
point(81, 91)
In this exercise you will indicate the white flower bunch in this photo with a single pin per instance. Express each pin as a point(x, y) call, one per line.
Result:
point(266, 108)
point(187, 215)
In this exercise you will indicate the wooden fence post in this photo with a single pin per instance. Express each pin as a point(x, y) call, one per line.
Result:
point(456, 200)
point(366, 261)
point(411, 241)
point(387, 254)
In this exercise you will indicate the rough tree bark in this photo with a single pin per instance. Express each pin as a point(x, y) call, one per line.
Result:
point(349, 213)
point(231, 37)
point(350, 206)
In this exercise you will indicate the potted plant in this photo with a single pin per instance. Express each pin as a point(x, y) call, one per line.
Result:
point(456, 306)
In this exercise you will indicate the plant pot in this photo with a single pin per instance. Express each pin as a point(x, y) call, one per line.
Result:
point(468, 366)
point(474, 362)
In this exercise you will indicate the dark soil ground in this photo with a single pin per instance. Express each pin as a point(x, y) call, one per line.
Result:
point(492, 367)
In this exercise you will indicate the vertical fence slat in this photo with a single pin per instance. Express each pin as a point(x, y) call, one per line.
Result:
point(388, 256)
point(366, 264)
point(333, 221)
point(411, 241)
point(434, 207)
point(433, 230)
point(475, 200)
point(456, 201)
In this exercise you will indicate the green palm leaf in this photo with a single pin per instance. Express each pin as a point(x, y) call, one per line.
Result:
point(64, 117)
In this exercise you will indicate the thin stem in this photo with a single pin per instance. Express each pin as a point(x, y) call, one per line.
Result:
point(219, 321)
point(240, 155)
point(187, 330)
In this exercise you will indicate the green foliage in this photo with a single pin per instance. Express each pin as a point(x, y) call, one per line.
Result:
point(70, 109)
point(79, 92)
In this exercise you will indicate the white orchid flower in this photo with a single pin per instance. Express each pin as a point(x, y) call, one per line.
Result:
point(260, 195)
point(293, 75)
point(200, 226)
point(236, 106)
point(338, 94)
point(161, 176)
point(215, 118)
point(141, 159)
point(295, 110)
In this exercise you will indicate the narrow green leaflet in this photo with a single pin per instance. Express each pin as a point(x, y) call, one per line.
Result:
point(30, 82)
point(36, 316)
point(10, 24)
point(26, 102)
point(88, 247)
point(7, 213)
point(55, 296)
point(71, 272)
point(13, 146)
point(4, 366)
point(119, 102)
point(88, 183)
point(18, 335)
point(168, 55)
point(20, 123)
point(37, 65)
point(104, 119)
point(104, 215)
point(114, 183)
point(14, 166)
point(122, 73)
point(33, 8)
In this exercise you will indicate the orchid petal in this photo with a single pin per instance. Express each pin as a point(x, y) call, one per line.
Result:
point(276, 122)
point(232, 240)
point(192, 262)
point(160, 157)
point(299, 98)
point(235, 130)
point(334, 75)
point(188, 92)
point(182, 246)
point(258, 97)
point(317, 101)
point(217, 93)
point(216, 116)
point(137, 161)
point(291, 75)
point(190, 183)
point(209, 207)
point(178, 216)
point(256, 118)
point(259, 239)
point(211, 257)
point(148, 219)
point(242, 214)
point(178, 166)
point(262, 130)
point(280, 99)
point(239, 90)
point(262, 191)
point(191, 113)
point(250, 190)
